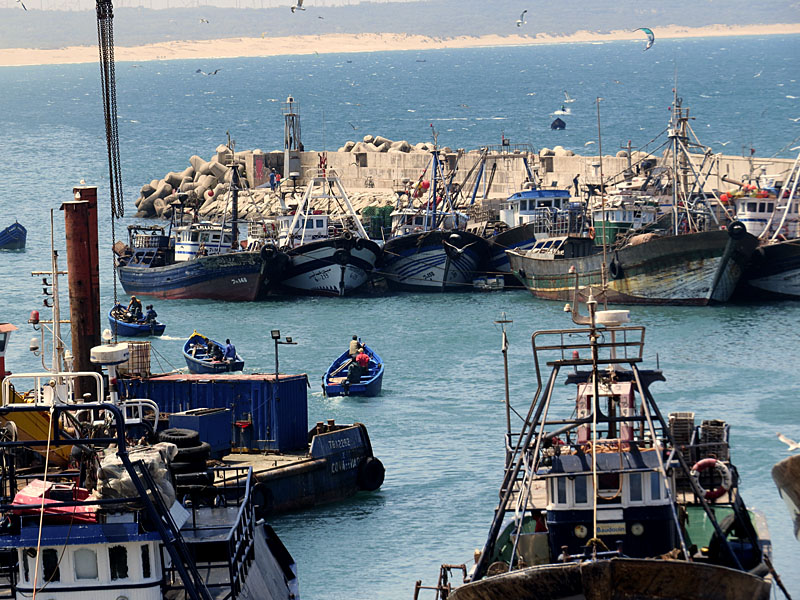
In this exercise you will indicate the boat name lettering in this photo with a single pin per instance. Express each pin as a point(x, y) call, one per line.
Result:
point(320, 275)
point(345, 464)
point(611, 529)
point(428, 276)
point(238, 280)
point(339, 443)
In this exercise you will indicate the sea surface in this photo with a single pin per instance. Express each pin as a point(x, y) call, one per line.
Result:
point(438, 426)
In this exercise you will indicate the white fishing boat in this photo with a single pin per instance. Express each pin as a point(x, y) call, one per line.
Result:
point(329, 250)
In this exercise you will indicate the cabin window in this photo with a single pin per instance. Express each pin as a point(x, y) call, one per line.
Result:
point(751, 207)
point(523, 205)
point(770, 206)
point(762, 207)
point(608, 483)
point(310, 224)
point(50, 570)
point(418, 221)
point(85, 561)
point(26, 568)
point(118, 561)
point(655, 486)
point(561, 489)
point(195, 236)
point(320, 223)
point(215, 237)
point(581, 491)
point(145, 561)
point(635, 487)
point(226, 239)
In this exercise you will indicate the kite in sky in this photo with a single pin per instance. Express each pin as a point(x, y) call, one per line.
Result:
point(650, 37)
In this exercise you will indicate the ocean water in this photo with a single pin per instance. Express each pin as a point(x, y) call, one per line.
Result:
point(438, 426)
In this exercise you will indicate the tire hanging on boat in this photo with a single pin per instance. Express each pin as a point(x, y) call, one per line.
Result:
point(370, 474)
point(615, 269)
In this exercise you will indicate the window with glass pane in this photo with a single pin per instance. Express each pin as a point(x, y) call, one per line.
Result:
point(320, 223)
point(50, 570)
point(85, 561)
point(561, 483)
point(145, 561)
point(635, 487)
point(581, 492)
point(118, 560)
point(655, 486)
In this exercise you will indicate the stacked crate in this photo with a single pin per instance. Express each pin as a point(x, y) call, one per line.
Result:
point(138, 364)
point(681, 427)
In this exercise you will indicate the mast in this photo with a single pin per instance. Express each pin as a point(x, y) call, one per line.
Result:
point(603, 281)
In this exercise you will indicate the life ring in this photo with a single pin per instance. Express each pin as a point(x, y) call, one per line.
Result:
point(591, 233)
point(721, 468)
point(737, 230)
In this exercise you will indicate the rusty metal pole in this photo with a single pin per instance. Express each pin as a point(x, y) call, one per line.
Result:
point(89, 194)
point(84, 297)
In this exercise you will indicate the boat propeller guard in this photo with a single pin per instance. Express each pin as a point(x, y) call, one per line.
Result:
point(721, 468)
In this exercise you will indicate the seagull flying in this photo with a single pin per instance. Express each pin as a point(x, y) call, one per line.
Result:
point(351, 125)
point(650, 37)
point(567, 97)
point(795, 120)
point(521, 21)
point(298, 6)
point(589, 142)
point(791, 443)
point(214, 72)
point(22, 5)
point(202, 20)
point(722, 143)
point(758, 74)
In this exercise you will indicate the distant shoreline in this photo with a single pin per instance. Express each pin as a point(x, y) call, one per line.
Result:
point(349, 43)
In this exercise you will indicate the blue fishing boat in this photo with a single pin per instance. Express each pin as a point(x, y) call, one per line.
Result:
point(339, 381)
point(201, 357)
point(13, 237)
point(126, 326)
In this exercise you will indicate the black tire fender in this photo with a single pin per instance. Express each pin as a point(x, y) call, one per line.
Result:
point(263, 500)
point(737, 230)
point(360, 244)
point(615, 269)
point(204, 478)
point(182, 438)
point(195, 453)
point(370, 474)
point(183, 467)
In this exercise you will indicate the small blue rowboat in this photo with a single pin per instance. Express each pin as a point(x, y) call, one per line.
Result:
point(13, 237)
point(124, 327)
point(201, 361)
point(339, 381)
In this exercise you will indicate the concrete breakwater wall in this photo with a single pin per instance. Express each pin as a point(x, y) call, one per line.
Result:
point(374, 169)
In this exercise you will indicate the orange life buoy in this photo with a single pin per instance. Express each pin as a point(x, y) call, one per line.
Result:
point(591, 233)
point(722, 469)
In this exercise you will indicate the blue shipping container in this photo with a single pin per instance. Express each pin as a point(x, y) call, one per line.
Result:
point(278, 413)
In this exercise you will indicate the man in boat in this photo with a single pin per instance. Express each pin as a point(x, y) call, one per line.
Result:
point(355, 346)
point(214, 351)
point(230, 351)
point(149, 316)
point(362, 360)
point(135, 308)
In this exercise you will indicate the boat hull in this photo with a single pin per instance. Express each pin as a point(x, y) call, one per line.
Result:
point(774, 272)
point(197, 363)
point(331, 267)
point(619, 579)
point(125, 329)
point(692, 269)
point(334, 380)
point(434, 261)
point(786, 475)
point(519, 238)
point(13, 237)
point(235, 276)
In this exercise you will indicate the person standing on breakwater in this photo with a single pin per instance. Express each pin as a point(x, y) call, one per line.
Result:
point(575, 183)
point(272, 180)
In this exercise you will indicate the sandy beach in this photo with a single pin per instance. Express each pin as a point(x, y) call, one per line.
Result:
point(367, 42)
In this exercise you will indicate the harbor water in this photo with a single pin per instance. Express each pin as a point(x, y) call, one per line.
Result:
point(439, 424)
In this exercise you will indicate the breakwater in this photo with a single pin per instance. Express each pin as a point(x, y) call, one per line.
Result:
point(375, 168)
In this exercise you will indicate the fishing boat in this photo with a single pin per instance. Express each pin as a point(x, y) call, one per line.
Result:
point(13, 237)
point(338, 381)
point(786, 475)
point(126, 326)
point(604, 497)
point(131, 536)
point(430, 249)
point(330, 253)
point(644, 247)
point(201, 357)
point(768, 208)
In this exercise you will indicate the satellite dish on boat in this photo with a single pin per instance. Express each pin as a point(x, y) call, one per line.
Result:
point(110, 354)
point(612, 318)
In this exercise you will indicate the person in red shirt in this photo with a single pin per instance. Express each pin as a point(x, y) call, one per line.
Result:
point(363, 360)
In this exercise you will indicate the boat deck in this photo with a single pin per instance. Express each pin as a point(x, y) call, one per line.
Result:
point(262, 462)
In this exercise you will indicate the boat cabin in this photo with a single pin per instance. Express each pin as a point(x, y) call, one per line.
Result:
point(564, 246)
point(776, 215)
point(202, 239)
point(633, 505)
point(531, 206)
point(621, 215)
point(413, 220)
point(307, 228)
